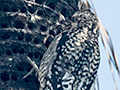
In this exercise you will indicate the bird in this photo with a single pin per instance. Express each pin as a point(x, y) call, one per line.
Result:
point(72, 60)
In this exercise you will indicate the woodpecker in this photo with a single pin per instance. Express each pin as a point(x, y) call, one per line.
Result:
point(72, 59)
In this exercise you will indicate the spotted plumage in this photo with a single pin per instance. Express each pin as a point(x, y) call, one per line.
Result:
point(72, 59)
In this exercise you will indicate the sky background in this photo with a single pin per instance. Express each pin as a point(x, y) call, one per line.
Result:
point(108, 12)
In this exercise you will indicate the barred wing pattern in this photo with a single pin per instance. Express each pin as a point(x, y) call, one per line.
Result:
point(72, 59)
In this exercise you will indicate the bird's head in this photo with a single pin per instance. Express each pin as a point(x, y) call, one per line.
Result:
point(85, 19)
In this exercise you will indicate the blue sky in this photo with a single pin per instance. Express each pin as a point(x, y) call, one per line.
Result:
point(108, 12)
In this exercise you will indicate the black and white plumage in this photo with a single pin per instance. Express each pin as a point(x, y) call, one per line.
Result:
point(72, 59)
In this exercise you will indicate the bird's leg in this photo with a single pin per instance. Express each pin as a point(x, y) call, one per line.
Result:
point(35, 67)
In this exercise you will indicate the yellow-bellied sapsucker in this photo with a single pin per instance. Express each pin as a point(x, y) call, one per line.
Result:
point(72, 59)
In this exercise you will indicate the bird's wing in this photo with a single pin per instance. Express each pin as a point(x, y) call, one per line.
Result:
point(48, 59)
